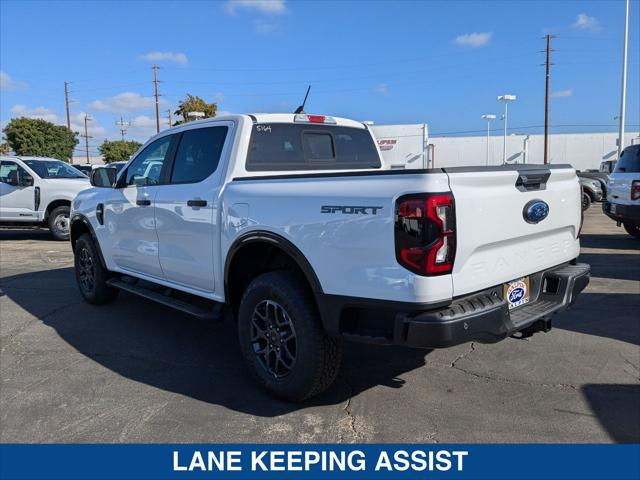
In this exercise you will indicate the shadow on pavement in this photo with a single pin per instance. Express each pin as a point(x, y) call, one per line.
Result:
point(35, 233)
point(620, 266)
point(609, 241)
point(610, 315)
point(617, 408)
point(157, 346)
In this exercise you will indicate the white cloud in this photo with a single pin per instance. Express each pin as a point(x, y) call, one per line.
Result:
point(77, 120)
point(94, 129)
point(124, 102)
point(8, 83)
point(177, 57)
point(585, 22)
point(37, 112)
point(263, 26)
point(274, 7)
point(562, 93)
point(382, 88)
point(474, 40)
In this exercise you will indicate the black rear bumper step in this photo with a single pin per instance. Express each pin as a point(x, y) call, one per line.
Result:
point(214, 313)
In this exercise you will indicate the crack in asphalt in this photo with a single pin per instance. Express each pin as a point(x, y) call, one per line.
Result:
point(350, 415)
point(490, 378)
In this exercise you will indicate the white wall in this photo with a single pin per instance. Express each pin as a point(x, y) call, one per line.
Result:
point(582, 150)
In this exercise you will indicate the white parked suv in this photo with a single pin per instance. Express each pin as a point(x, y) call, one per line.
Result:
point(291, 222)
point(623, 200)
point(36, 191)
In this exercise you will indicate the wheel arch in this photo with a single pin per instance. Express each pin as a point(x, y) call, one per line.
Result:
point(80, 225)
point(277, 249)
point(53, 204)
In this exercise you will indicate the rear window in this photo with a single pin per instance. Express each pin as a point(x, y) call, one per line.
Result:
point(629, 161)
point(282, 146)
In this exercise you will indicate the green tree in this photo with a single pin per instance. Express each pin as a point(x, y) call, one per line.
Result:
point(4, 148)
point(118, 150)
point(32, 136)
point(194, 104)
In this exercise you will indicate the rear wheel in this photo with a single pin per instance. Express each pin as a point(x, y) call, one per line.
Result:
point(586, 201)
point(282, 339)
point(633, 230)
point(91, 276)
point(59, 223)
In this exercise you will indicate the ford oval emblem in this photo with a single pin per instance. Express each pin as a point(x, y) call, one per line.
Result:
point(535, 211)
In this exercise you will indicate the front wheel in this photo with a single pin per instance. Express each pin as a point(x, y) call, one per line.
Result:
point(282, 339)
point(586, 201)
point(91, 276)
point(633, 230)
point(59, 223)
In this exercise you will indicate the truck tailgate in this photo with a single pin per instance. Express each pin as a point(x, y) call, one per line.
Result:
point(496, 241)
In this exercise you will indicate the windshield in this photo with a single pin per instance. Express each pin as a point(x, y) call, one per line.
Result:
point(629, 161)
point(54, 169)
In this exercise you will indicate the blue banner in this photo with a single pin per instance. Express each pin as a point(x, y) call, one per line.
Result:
point(300, 462)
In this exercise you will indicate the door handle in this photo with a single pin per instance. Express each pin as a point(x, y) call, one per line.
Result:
point(196, 203)
point(143, 203)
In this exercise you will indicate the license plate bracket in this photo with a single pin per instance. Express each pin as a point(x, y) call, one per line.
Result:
point(517, 292)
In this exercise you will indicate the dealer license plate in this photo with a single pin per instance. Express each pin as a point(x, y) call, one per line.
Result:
point(612, 208)
point(517, 292)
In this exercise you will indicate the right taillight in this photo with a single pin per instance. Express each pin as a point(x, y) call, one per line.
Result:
point(581, 210)
point(635, 190)
point(425, 233)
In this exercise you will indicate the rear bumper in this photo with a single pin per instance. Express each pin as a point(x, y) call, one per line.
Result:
point(483, 317)
point(629, 214)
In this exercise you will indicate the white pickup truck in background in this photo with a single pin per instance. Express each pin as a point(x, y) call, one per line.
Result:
point(291, 222)
point(37, 191)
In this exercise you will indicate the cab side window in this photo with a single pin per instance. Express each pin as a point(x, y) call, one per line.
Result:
point(146, 169)
point(198, 154)
point(11, 173)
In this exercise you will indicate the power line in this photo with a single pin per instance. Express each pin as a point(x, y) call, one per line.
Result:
point(122, 126)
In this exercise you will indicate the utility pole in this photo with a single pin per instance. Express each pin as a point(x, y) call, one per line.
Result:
point(86, 136)
point(122, 125)
point(66, 102)
point(155, 83)
point(547, 64)
point(169, 117)
point(623, 96)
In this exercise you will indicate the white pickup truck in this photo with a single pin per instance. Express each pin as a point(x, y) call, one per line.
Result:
point(37, 191)
point(290, 222)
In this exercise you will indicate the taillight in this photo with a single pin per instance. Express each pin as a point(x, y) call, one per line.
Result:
point(635, 190)
point(425, 233)
point(581, 210)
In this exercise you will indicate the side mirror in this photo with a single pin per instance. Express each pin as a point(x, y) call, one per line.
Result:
point(26, 181)
point(103, 177)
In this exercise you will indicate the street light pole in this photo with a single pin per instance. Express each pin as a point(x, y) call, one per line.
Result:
point(623, 96)
point(505, 99)
point(488, 118)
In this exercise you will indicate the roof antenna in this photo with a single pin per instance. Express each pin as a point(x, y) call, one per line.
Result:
point(300, 109)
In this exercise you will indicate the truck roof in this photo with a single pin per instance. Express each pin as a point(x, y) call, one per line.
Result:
point(270, 118)
point(26, 157)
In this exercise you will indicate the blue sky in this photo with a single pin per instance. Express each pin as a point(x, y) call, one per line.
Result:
point(442, 63)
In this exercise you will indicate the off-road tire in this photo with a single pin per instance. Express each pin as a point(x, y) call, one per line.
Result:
point(87, 264)
point(58, 222)
point(318, 355)
point(633, 230)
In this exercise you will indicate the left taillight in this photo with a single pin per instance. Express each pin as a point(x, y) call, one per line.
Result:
point(635, 190)
point(581, 210)
point(425, 233)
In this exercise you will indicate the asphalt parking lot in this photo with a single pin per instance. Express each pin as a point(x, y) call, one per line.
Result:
point(134, 371)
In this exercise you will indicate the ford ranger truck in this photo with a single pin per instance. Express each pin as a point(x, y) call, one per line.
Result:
point(37, 192)
point(290, 223)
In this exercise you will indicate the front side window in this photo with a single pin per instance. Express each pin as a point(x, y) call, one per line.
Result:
point(146, 169)
point(198, 154)
point(629, 161)
point(11, 173)
point(283, 146)
point(54, 169)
